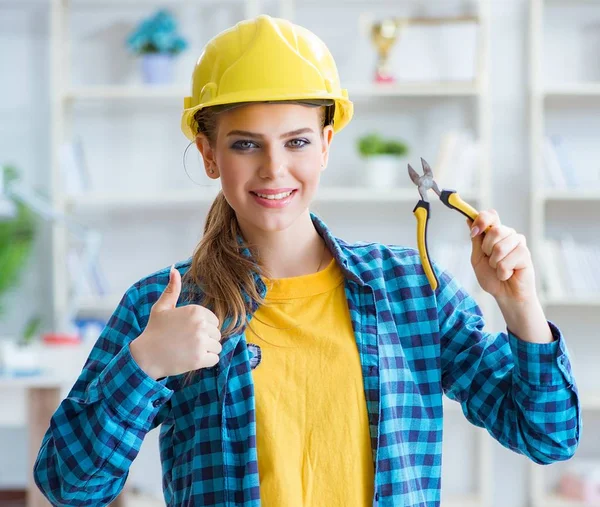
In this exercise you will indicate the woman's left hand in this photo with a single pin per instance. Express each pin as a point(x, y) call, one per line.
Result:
point(501, 260)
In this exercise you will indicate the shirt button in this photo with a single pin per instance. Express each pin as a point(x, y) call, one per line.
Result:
point(157, 402)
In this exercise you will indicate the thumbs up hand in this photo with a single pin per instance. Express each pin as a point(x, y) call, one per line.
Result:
point(177, 340)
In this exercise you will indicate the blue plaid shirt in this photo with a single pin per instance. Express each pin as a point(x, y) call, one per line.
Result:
point(414, 345)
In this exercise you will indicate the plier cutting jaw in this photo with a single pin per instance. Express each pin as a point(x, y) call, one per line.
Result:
point(421, 211)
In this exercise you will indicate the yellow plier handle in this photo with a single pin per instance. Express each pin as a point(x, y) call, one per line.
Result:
point(451, 199)
point(421, 212)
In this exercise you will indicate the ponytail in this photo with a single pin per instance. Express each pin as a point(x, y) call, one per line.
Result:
point(221, 270)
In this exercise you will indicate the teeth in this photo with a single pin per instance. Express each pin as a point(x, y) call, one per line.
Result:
point(275, 196)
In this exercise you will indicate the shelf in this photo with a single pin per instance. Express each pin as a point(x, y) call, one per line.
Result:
point(558, 501)
point(102, 201)
point(145, 3)
point(41, 381)
point(574, 194)
point(590, 400)
point(573, 89)
point(133, 92)
point(591, 300)
point(134, 499)
point(571, 2)
point(99, 306)
point(361, 91)
point(422, 89)
point(461, 501)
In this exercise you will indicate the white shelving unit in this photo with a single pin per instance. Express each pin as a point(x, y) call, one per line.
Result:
point(65, 95)
point(541, 198)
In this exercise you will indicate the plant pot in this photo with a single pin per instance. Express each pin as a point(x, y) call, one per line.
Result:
point(19, 360)
point(157, 68)
point(384, 171)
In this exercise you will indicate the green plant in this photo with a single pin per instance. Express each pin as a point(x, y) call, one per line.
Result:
point(16, 241)
point(157, 34)
point(31, 329)
point(374, 144)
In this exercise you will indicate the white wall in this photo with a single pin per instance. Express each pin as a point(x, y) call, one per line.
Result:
point(24, 123)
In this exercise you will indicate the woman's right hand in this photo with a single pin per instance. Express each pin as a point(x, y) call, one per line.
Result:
point(177, 340)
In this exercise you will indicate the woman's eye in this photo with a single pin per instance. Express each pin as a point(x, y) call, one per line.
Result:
point(299, 143)
point(243, 145)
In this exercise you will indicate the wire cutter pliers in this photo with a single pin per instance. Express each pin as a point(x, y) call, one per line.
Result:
point(421, 211)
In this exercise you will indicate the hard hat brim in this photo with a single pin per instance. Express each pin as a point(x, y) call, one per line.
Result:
point(343, 111)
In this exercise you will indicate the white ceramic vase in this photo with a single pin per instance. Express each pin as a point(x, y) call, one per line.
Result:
point(157, 68)
point(16, 359)
point(385, 171)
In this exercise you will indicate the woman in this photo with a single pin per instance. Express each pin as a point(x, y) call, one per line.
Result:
point(285, 365)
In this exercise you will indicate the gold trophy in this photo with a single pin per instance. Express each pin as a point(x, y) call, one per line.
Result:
point(384, 34)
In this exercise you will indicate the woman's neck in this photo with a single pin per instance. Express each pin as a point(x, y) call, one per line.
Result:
point(296, 251)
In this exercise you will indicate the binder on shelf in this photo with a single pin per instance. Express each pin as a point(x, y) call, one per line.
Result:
point(458, 160)
point(552, 275)
point(578, 264)
point(86, 281)
point(564, 161)
point(571, 255)
point(74, 169)
point(553, 174)
point(559, 169)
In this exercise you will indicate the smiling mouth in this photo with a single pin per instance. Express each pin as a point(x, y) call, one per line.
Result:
point(274, 197)
point(274, 201)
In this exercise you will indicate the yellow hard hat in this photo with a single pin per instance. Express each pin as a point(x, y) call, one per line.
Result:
point(262, 60)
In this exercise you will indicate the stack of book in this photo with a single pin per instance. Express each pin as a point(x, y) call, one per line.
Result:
point(458, 161)
point(570, 268)
point(560, 172)
point(87, 277)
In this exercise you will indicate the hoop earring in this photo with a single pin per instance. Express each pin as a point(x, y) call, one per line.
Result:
point(185, 166)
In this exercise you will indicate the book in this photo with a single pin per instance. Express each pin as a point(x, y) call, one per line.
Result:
point(458, 160)
point(552, 276)
point(73, 167)
point(87, 277)
point(564, 161)
point(553, 174)
point(577, 282)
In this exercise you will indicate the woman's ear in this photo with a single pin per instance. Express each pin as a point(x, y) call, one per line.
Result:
point(208, 155)
point(326, 139)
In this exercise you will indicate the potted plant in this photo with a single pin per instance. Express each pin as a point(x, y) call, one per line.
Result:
point(157, 41)
point(383, 159)
point(16, 240)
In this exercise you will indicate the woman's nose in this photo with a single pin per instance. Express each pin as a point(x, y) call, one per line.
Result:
point(273, 165)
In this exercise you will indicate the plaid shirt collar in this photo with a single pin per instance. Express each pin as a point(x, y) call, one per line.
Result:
point(349, 264)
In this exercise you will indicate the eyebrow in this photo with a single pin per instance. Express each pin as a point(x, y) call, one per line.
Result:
point(260, 136)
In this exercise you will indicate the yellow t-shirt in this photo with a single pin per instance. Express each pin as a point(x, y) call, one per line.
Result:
point(313, 441)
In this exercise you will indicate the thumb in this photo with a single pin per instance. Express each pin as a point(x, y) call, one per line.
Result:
point(168, 299)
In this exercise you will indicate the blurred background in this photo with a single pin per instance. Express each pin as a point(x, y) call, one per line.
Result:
point(501, 97)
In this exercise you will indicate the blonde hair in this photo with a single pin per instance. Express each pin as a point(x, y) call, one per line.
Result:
point(219, 267)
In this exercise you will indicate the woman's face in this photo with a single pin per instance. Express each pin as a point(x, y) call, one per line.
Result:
point(275, 150)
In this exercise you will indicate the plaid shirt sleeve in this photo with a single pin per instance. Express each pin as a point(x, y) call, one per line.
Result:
point(98, 429)
point(523, 393)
